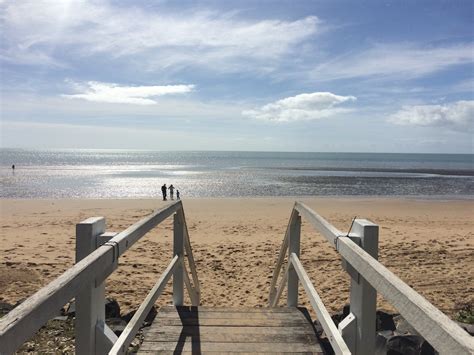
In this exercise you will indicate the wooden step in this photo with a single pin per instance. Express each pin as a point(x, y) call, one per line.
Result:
point(197, 330)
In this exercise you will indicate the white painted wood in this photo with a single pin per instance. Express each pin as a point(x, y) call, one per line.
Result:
point(335, 338)
point(122, 343)
point(294, 248)
point(105, 338)
point(178, 249)
point(330, 232)
point(348, 329)
point(281, 287)
point(129, 236)
point(23, 321)
point(363, 297)
point(189, 254)
point(193, 295)
point(90, 300)
point(440, 331)
point(281, 259)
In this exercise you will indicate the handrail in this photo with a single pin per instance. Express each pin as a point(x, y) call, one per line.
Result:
point(128, 334)
point(440, 331)
point(281, 259)
point(335, 338)
point(189, 254)
point(23, 321)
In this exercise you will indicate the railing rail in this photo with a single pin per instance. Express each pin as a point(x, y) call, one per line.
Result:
point(359, 251)
point(97, 254)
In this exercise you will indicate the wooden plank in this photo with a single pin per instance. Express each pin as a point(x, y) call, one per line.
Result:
point(266, 314)
point(198, 347)
point(157, 328)
point(121, 346)
point(323, 315)
point(231, 337)
point(172, 352)
point(203, 309)
point(241, 322)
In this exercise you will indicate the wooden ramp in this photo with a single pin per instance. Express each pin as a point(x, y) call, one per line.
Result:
point(196, 330)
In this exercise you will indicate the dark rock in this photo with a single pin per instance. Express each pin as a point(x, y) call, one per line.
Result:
point(148, 319)
point(381, 341)
point(338, 317)
point(385, 321)
point(117, 325)
point(403, 327)
point(5, 308)
point(467, 327)
point(408, 345)
point(112, 308)
point(318, 328)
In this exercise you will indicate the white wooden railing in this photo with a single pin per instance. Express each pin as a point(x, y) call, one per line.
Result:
point(97, 254)
point(359, 252)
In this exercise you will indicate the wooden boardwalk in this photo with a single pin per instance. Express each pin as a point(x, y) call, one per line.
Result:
point(196, 330)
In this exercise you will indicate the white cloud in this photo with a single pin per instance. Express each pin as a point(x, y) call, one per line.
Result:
point(400, 61)
point(310, 106)
point(113, 93)
point(458, 115)
point(220, 41)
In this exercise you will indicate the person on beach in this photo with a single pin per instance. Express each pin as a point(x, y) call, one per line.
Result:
point(171, 188)
point(13, 167)
point(177, 195)
point(163, 191)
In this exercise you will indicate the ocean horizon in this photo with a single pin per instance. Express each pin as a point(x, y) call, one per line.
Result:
point(121, 173)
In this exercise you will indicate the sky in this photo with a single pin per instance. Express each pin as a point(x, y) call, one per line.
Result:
point(323, 76)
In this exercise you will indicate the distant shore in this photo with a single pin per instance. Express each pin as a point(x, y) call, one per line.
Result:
point(428, 243)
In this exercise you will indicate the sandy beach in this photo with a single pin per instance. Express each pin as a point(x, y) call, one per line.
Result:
point(428, 243)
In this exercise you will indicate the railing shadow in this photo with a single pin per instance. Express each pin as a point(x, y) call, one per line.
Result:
point(190, 327)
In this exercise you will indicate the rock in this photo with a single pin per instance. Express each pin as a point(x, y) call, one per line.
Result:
point(408, 345)
point(112, 308)
point(403, 327)
point(338, 317)
point(117, 325)
point(318, 328)
point(148, 319)
point(467, 327)
point(5, 308)
point(384, 321)
point(381, 341)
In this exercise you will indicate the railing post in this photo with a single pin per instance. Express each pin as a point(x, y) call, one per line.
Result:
point(363, 299)
point(294, 247)
point(90, 300)
point(178, 249)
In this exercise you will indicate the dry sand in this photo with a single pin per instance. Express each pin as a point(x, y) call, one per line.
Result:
point(429, 244)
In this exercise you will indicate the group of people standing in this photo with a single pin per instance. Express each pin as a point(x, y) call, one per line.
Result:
point(171, 188)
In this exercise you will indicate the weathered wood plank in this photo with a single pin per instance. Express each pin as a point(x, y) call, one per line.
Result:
point(231, 337)
point(202, 309)
point(198, 347)
point(265, 314)
point(241, 322)
point(157, 328)
point(146, 352)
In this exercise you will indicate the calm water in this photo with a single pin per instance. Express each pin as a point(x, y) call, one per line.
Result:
point(140, 174)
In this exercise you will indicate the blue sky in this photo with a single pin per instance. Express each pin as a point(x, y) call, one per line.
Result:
point(362, 76)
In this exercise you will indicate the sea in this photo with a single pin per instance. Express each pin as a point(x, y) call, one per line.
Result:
point(104, 174)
